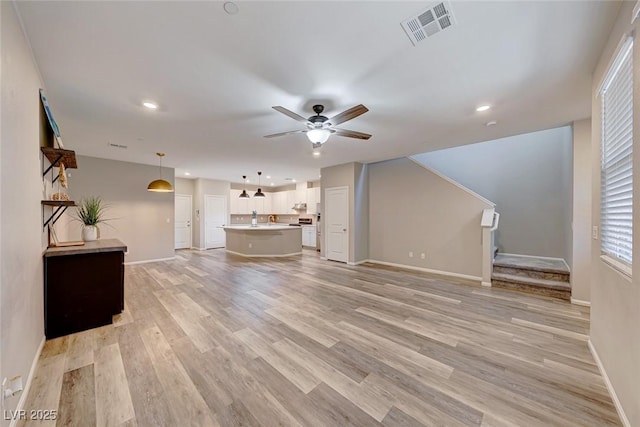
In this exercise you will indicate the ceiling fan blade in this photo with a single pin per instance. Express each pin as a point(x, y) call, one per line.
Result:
point(349, 114)
point(290, 113)
point(273, 135)
point(352, 134)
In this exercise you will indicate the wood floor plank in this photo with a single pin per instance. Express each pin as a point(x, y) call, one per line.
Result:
point(46, 386)
point(113, 398)
point(77, 406)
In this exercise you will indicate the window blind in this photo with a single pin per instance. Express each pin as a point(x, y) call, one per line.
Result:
point(616, 213)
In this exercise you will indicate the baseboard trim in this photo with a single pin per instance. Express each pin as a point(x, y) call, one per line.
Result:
point(486, 284)
point(581, 302)
point(265, 255)
point(429, 270)
point(27, 385)
point(146, 261)
point(541, 257)
point(358, 262)
point(198, 249)
point(607, 383)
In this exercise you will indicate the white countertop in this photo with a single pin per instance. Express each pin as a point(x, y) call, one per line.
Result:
point(261, 227)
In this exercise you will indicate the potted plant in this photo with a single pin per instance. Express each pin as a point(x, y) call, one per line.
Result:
point(90, 212)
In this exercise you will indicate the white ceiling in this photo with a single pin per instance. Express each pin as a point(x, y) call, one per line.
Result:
point(216, 77)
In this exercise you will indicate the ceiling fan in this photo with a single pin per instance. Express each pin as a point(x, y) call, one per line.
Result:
point(319, 127)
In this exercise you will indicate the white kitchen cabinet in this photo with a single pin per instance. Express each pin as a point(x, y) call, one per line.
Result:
point(291, 200)
point(309, 235)
point(261, 204)
point(234, 201)
point(278, 205)
point(313, 198)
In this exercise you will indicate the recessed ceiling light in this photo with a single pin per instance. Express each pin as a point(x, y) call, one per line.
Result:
point(268, 176)
point(483, 108)
point(150, 105)
point(272, 184)
point(293, 180)
point(248, 181)
point(491, 123)
point(187, 173)
point(231, 8)
point(316, 153)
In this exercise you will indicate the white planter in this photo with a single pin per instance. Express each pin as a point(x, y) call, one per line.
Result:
point(89, 233)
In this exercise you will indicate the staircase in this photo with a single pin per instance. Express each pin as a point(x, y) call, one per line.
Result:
point(541, 276)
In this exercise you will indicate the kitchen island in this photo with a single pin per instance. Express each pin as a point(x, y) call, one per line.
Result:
point(264, 240)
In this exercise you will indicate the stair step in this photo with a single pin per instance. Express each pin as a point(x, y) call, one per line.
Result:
point(552, 288)
point(529, 263)
point(528, 272)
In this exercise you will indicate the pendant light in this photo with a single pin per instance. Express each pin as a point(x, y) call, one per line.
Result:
point(244, 194)
point(259, 193)
point(160, 185)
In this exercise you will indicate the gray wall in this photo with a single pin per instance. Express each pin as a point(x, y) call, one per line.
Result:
point(353, 176)
point(529, 178)
point(581, 253)
point(615, 298)
point(203, 187)
point(414, 209)
point(21, 189)
point(143, 220)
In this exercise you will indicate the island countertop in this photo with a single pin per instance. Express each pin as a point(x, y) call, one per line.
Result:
point(261, 227)
point(105, 245)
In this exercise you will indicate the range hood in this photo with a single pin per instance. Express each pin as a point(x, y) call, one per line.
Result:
point(299, 207)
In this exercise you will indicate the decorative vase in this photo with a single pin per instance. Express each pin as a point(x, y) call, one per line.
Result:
point(254, 222)
point(89, 233)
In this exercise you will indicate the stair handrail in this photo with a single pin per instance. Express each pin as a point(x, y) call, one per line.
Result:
point(489, 223)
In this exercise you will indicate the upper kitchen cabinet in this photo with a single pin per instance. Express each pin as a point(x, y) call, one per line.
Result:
point(313, 198)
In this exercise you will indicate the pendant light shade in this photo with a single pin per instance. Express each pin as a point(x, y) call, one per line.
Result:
point(244, 194)
point(259, 193)
point(160, 185)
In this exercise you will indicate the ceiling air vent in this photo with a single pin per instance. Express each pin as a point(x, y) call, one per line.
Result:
point(429, 22)
point(117, 145)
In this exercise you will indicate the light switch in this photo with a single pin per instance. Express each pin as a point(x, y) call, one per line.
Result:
point(594, 232)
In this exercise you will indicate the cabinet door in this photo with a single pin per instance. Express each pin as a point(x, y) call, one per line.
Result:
point(311, 201)
point(291, 200)
point(234, 199)
point(260, 204)
point(267, 204)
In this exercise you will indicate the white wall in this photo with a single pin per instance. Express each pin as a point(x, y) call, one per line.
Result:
point(529, 178)
point(581, 225)
point(615, 299)
point(21, 189)
point(414, 209)
point(143, 220)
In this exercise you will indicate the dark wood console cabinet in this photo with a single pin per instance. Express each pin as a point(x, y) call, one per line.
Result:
point(83, 286)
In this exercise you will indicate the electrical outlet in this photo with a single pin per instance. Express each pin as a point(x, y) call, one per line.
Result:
point(422, 255)
point(594, 232)
point(410, 254)
point(11, 387)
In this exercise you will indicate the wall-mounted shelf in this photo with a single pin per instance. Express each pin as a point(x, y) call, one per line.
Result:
point(57, 156)
point(60, 207)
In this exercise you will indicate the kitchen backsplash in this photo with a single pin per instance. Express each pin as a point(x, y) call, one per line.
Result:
point(264, 219)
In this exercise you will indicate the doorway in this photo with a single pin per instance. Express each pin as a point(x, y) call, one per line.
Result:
point(183, 207)
point(215, 217)
point(336, 218)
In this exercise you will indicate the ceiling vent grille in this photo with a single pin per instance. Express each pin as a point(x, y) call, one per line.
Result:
point(429, 22)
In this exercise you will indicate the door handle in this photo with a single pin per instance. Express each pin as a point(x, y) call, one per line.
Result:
point(344, 229)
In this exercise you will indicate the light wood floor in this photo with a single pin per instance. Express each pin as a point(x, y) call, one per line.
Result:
point(213, 339)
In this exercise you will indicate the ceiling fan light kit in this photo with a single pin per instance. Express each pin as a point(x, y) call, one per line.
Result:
point(160, 185)
point(320, 128)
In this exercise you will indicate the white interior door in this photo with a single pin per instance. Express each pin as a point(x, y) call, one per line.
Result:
point(336, 218)
point(183, 204)
point(215, 216)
